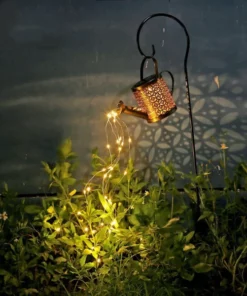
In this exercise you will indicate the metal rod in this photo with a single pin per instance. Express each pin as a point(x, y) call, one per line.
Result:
point(186, 83)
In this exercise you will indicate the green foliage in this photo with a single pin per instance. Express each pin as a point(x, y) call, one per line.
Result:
point(122, 236)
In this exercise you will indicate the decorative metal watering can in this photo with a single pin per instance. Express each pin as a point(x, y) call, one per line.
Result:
point(153, 96)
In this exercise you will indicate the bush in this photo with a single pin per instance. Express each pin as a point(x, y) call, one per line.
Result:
point(119, 235)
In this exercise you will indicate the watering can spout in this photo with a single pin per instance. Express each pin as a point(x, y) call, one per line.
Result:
point(134, 111)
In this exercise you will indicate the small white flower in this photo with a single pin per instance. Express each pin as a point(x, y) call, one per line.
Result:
point(4, 216)
point(146, 193)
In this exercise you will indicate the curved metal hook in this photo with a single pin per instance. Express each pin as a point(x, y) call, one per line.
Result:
point(186, 80)
point(153, 47)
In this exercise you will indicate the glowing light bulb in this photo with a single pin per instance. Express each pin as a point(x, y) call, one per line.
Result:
point(114, 113)
point(113, 223)
point(98, 260)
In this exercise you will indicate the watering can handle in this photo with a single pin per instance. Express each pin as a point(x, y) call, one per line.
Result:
point(156, 70)
point(172, 78)
point(155, 66)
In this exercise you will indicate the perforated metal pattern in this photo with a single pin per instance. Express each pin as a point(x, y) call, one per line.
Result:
point(155, 99)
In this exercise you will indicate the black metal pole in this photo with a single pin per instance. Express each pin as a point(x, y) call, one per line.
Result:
point(186, 84)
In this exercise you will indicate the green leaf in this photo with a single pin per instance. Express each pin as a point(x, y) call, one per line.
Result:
point(104, 202)
point(204, 215)
point(72, 227)
point(3, 272)
point(69, 181)
point(32, 209)
point(202, 267)
point(60, 260)
point(83, 260)
point(67, 241)
point(104, 270)
point(189, 236)
point(88, 243)
point(188, 247)
point(47, 168)
point(65, 149)
point(50, 210)
point(31, 291)
point(187, 276)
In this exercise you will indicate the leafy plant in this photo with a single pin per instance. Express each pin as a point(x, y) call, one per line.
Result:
point(118, 235)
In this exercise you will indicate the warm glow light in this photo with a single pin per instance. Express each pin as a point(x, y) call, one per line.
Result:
point(58, 229)
point(113, 223)
point(88, 189)
point(86, 229)
point(108, 146)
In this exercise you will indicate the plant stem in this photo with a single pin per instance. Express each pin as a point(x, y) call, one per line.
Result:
point(146, 289)
point(172, 206)
point(235, 267)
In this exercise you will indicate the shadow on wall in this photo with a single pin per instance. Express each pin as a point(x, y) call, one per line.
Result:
point(219, 112)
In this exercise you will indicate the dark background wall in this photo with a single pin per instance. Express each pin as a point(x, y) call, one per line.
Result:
point(64, 63)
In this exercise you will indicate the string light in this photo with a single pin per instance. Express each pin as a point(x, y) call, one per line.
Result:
point(98, 260)
point(113, 223)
